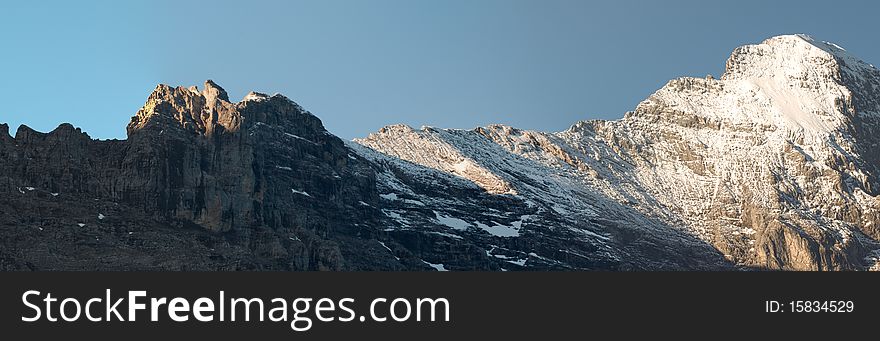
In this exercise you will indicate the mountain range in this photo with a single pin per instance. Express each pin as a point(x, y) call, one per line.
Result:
point(772, 166)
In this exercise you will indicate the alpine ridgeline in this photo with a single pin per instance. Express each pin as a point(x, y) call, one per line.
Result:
point(773, 166)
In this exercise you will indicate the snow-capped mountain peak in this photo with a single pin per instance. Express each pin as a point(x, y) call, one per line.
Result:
point(774, 164)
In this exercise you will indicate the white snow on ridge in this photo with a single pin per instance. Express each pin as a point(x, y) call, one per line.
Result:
point(255, 96)
point(428, 148)
point(787, 106)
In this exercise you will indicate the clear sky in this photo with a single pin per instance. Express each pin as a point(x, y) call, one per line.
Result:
point(363, 64)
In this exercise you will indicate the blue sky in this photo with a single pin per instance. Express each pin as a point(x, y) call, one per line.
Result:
point(360, 65)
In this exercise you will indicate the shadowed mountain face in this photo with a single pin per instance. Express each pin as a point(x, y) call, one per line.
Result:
point(201, 183)
point(773, 166)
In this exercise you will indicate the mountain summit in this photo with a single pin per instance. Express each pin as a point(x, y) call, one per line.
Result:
point(773, 166)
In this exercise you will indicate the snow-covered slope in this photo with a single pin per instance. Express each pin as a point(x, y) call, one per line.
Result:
point(774, 165)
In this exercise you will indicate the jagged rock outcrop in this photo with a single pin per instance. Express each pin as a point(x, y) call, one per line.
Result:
point(262, 177)
point(774, 165)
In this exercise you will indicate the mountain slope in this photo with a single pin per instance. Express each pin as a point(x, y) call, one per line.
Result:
point(772, 166)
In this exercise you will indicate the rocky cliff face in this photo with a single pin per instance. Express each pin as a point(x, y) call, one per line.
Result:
point(772, 166)
point(764, 163)
point(257, 184)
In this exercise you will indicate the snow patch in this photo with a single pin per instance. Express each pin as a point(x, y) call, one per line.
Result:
point(500, 230)
point(300, 192)
point(589, 233)
point(255, 96)
point(392, 214)
point(438, 267)
point(444, 234)
point(452, 222)
point(389, 250)
point(414, 202)
point(300, 138)
point(388, 196)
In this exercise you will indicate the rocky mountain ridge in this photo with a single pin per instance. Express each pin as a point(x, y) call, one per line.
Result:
point(772, 166)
